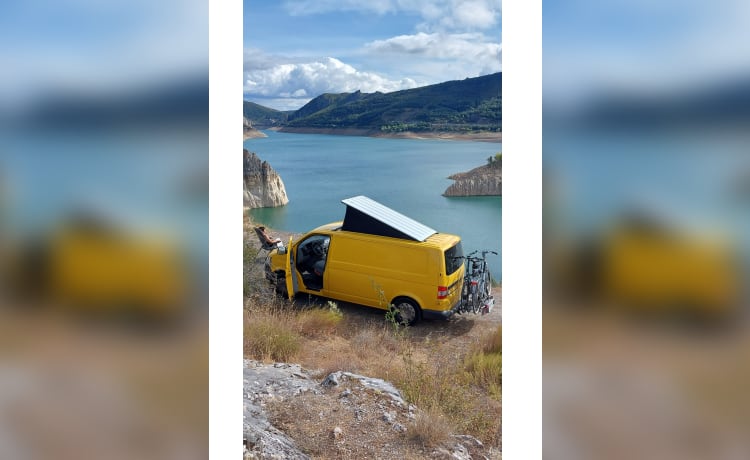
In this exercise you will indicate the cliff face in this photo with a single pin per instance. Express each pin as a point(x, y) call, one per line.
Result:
point(248, 131)
point(481, 181)
point(263, 188)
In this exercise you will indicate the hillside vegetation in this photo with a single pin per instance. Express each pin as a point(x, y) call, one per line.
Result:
point(463, 106)
point(263, 117)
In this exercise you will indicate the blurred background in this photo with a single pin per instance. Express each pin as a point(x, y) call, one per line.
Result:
point(646, 229)
point(104, 229)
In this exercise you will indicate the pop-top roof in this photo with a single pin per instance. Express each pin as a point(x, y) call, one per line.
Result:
point(364, 215)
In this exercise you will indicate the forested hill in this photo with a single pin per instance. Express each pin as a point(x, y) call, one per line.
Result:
point(463, 106)
point(263, 117)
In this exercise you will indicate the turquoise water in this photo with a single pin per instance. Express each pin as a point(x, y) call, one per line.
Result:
point(695, 182)
point(406, 175)
point(147, 181)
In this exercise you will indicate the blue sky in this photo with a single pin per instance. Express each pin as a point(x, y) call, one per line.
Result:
point(93, 46)
point(295, 50)
point(642, 46)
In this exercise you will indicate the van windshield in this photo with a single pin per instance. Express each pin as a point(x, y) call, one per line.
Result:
point(453, 259)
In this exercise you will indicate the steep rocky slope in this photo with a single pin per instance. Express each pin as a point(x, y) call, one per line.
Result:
point(484, 180)
point(263, 187)
point(248, 131)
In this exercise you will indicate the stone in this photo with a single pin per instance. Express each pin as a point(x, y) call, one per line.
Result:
point(482, 181)
point(263, 187)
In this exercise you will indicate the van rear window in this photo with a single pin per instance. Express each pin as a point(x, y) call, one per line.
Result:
point(453, 258)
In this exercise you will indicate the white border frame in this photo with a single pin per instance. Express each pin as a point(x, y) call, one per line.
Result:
point(522, 229)
point(225, 232)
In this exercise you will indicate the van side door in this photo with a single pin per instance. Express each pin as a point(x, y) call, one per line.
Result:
point(291, 277)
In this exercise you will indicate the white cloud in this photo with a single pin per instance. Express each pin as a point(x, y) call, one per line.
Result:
point(274, 79)
point(437, 14)
point(472, 53)
point(442, 46)
point(306, 7)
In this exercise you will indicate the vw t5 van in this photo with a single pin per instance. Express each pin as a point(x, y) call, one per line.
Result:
point(375, 257)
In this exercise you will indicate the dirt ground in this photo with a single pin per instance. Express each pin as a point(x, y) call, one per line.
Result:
point(679, 388)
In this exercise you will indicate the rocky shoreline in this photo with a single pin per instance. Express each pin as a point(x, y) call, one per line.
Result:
point(485, 180)
point(249, 132)
point(262, 186)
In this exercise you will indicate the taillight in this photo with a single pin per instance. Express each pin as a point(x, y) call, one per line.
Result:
point(474, 282)
point(442, 292)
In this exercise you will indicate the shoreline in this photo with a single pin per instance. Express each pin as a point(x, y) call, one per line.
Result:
point(494, 137)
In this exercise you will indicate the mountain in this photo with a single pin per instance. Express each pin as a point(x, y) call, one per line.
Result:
point(181, 101)
point(263, 117)
point(462, 106)
point(722, 103)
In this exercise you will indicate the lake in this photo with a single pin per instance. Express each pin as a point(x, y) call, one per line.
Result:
point(693, 181)
point(148, 180)
point(407, 175)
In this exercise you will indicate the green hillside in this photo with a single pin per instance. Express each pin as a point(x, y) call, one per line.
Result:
point(470, 105)
point(263, 117)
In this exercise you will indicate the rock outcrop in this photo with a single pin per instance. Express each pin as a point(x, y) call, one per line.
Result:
point(248, 131)
point(291, 412)
point(263, 187)
point(482, 181)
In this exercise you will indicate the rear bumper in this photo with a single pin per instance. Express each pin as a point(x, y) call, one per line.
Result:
point(441, 314)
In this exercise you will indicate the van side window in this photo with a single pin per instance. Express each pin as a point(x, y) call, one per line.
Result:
point(311, 260)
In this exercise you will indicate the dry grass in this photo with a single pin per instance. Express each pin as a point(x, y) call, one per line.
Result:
point(316, 322)
point(485, 366)
point(457, 390)
point(430, 429)
point(268, 337)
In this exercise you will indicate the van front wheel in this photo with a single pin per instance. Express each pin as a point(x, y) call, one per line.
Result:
point(407, 310)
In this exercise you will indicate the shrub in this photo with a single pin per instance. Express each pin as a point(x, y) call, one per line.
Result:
point(485, 365)
point(429, 429)
point(269, 335)
point(319, 321)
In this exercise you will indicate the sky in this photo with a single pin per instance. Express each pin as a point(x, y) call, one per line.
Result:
point(295, 50)
point(642, 46)
point(98, 46)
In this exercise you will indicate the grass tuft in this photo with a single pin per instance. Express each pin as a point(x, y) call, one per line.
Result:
point(430, 429)
point(485, 365)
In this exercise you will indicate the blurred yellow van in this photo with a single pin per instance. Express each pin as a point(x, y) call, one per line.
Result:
point(659, 267)
point(87, 264)
point(375, 257)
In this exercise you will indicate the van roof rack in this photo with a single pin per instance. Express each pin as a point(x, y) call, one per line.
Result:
point(364, 215)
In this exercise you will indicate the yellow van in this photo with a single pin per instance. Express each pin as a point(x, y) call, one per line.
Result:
point(659, 267)
point(375, 257)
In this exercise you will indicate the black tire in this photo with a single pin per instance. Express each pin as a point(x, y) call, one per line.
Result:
point(280, 286)
point(474, 298)
point(407, 310)
point(487, 285)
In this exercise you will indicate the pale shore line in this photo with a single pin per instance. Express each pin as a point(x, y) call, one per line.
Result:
point(479, 137)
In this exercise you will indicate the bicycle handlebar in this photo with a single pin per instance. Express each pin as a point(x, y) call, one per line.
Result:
point(484, 253)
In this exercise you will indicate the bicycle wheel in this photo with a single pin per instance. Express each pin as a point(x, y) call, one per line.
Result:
point(486, 284)
point(474, 296)
point(464, 296)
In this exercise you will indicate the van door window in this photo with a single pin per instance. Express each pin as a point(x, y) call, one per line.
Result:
point(311, 260)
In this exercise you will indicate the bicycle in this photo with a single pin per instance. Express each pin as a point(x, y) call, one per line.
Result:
point(476, 295)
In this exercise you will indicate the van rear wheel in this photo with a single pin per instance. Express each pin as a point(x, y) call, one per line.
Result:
point(407, 311)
